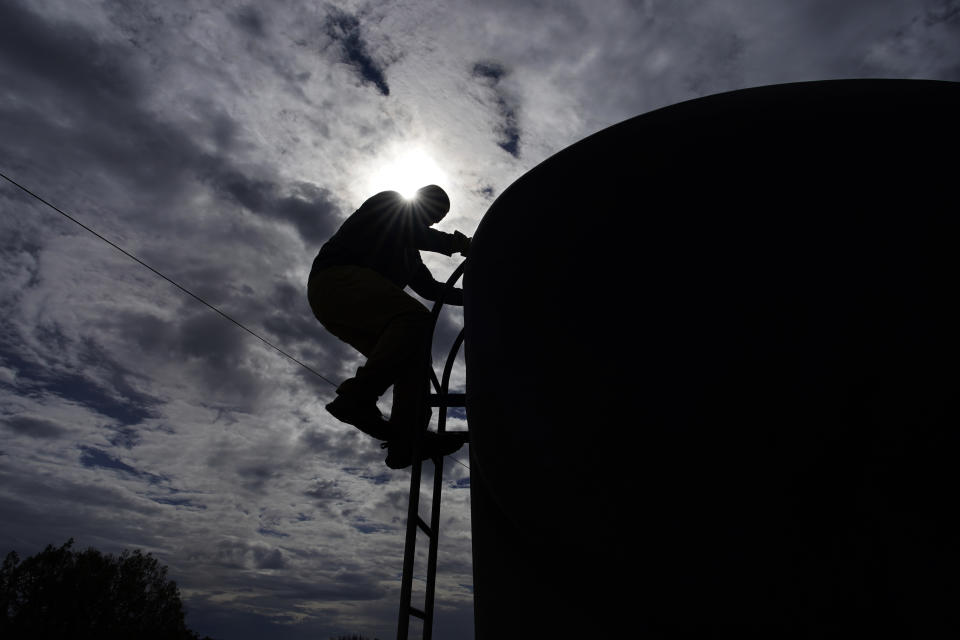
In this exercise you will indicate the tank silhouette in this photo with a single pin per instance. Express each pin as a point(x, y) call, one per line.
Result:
point(710, 372)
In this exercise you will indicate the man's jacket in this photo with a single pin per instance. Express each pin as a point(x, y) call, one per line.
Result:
point(386, 234)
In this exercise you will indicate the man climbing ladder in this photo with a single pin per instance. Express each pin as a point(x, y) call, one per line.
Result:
point(356, 291)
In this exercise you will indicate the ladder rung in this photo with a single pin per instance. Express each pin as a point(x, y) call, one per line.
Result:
point(450, 400)
point(417, 612)
point(424, 526)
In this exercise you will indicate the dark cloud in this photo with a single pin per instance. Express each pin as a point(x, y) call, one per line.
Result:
point(396, 501)
point(101, 384)
point(329, 498)
point(326, 490)
point(216, 354)
point(250, 21)
point(344, 29)
point(316, 440)
point(138, 20)
point(124, 436)
point(17, 240)
point(365, 527)
point(231, 553)
point(181, 502)
point(268, 559)
point(87, 98)
point(34, 427)
point(462, 483)
point(92, 457)
point(342, 443)
point(34, 51)
point(45, 508)
point(383, 477)
point(257, 474)
point(310, 209)
point(204, 335)
point(131, 406)
point(945, 11)
point(488, 70)
point(288, 314)
point(252, 193)
point(262, 48)
point(491, 74)
point(208, 349)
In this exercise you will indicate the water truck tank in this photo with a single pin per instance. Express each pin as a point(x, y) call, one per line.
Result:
point(711, 377)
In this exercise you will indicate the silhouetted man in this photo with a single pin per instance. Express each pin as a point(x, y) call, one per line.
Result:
point(356, 292)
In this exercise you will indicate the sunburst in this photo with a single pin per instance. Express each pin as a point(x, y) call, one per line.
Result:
point(407, 171)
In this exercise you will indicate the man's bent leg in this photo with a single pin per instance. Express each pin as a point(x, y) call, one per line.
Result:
point(402, 344)
point(391, 361)
point(411, 391)
point(378, 319)
point(411, 415)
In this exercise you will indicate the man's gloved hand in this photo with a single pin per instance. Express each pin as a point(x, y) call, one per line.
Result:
point(462, 242)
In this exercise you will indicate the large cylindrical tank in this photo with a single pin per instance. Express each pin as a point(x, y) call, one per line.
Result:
point(710, 372)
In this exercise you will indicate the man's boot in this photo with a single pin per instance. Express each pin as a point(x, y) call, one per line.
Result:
point(360, 410)
point(432, 445)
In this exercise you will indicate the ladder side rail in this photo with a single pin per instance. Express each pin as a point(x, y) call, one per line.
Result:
point(437, 492)
point(433, 379)
point(451, 281)
point(447, 370)
point(435, 315)
point(413, 509)
point(410, 543)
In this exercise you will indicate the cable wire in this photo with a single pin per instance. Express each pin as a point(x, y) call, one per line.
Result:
point(181, 287)
point(459, 463)
point(170, 280)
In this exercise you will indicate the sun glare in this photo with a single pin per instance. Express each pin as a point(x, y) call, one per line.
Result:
point(406, 172)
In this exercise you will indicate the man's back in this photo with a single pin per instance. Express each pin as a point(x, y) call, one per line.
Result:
point(385, 234)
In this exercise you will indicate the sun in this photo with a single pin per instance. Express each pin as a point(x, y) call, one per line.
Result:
point(405, 172)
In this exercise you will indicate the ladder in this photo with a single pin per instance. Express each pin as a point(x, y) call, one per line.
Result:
point(442, 399)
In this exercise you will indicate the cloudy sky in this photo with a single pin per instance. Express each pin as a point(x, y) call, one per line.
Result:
point(222, 143)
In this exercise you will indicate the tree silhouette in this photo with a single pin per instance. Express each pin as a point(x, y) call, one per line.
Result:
point(61, 593)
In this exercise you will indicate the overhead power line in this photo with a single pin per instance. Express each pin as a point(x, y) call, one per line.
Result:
point(181, 287)
point(170, 280)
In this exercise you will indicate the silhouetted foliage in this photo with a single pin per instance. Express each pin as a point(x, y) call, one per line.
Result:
point(61, 593)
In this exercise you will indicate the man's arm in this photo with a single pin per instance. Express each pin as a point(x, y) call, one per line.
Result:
point(448, 244)
point(424, 284)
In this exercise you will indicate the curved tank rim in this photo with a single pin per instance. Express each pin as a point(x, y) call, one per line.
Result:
point(782, 86)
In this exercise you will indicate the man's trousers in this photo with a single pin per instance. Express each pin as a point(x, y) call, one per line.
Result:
point(384, 323)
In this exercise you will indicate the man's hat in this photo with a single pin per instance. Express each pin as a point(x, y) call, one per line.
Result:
point(433, 201)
